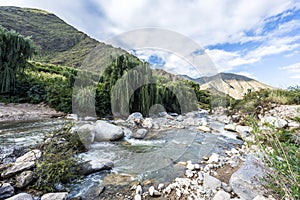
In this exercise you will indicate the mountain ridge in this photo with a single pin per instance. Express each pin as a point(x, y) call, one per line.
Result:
point(58, 42)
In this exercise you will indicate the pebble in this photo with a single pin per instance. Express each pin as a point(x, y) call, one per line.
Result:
point(139, 190)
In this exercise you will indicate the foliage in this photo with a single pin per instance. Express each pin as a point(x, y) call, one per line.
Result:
point(58, 164)
point(281, 154)
point(14, 52)
point(59, 43)
point(253, 102)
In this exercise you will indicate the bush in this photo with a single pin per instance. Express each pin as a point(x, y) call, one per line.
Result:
point(58, 164)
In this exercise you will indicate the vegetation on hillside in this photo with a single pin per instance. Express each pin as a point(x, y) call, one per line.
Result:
point(14, 52)
point(58, 42)
point(280, 146)
point(254, 102)
point(281, 153)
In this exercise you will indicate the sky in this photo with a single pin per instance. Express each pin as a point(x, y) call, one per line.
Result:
point(257, 38)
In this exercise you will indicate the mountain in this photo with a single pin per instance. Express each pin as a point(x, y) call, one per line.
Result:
point(58, 42)
point(232, 84)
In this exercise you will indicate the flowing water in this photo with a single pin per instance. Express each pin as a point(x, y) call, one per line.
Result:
point(153, 158)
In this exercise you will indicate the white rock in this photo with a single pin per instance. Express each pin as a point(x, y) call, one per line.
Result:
point(55, 196)
point(137, 197)
point(139, 190)
point(189, 165)
point(214, 158)
point(204, 128)
point(21, 196)
point(189, 173)
point(105, 131)
point(259, 197)
point(160, 186)
point(230, 127)
point(221, 195)
point(147, 123)
point(234, 151)
point(30, 156)
point(151, 191)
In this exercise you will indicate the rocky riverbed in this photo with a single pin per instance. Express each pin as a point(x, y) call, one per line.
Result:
point(12, 111)
point(224, 170)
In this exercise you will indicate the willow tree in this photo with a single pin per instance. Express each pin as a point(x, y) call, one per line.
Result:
point(14, 52)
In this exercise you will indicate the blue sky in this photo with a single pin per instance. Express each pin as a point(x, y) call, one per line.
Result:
point(257, 38)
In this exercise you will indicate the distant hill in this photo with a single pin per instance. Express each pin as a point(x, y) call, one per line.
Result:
point(232, 84)
point(58, 42)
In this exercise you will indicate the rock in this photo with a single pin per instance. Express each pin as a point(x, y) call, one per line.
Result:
point(139, 190)
point(259, 197)
point(140, 133)
point(105, 131)
point(135, 118)
point(214, 158)
point(276, 121)
point(6, 190)
point(137, 197)
point(72, 117)
point(94, 192)
point(224, 118)
point(211, 182)
point(21, 196)
point(226, 187)
point(189, 173)
point(55, 196)
point(86, 134)
point(245, 182)
point(17, 167)
point(293, 124)
point(221, 195)
point(32, 155)
point(90, 119)
point(204, 128)
point(230, 127)
point(244, 131)
point(127, 132)
point(147, 123)
point(160, 186)
point(24, 179)
point(91, 167)
point(153, 192)
point(179, 118)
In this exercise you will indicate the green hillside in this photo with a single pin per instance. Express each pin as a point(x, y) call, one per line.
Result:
point(58, 42)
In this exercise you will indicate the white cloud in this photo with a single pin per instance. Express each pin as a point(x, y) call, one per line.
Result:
point(293, 69)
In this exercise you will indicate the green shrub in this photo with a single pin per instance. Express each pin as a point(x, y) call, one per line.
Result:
point(58, 164)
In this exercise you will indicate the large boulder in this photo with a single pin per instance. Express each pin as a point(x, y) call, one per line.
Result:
point(135, 118)
point(55, 196)
point(139, 134)
point(30, 156)
point(275, 121)
point(6, 190)
point(16, 168)
point(21, 196)
point(105, 131)
point(86, 134)
point(22, 163)
point(91, 167)
point(246, 181)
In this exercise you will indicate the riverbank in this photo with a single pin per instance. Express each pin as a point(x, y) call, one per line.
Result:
point(207, 159)
point(26, 111)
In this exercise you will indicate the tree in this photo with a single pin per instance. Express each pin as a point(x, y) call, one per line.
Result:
point(14, 52)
